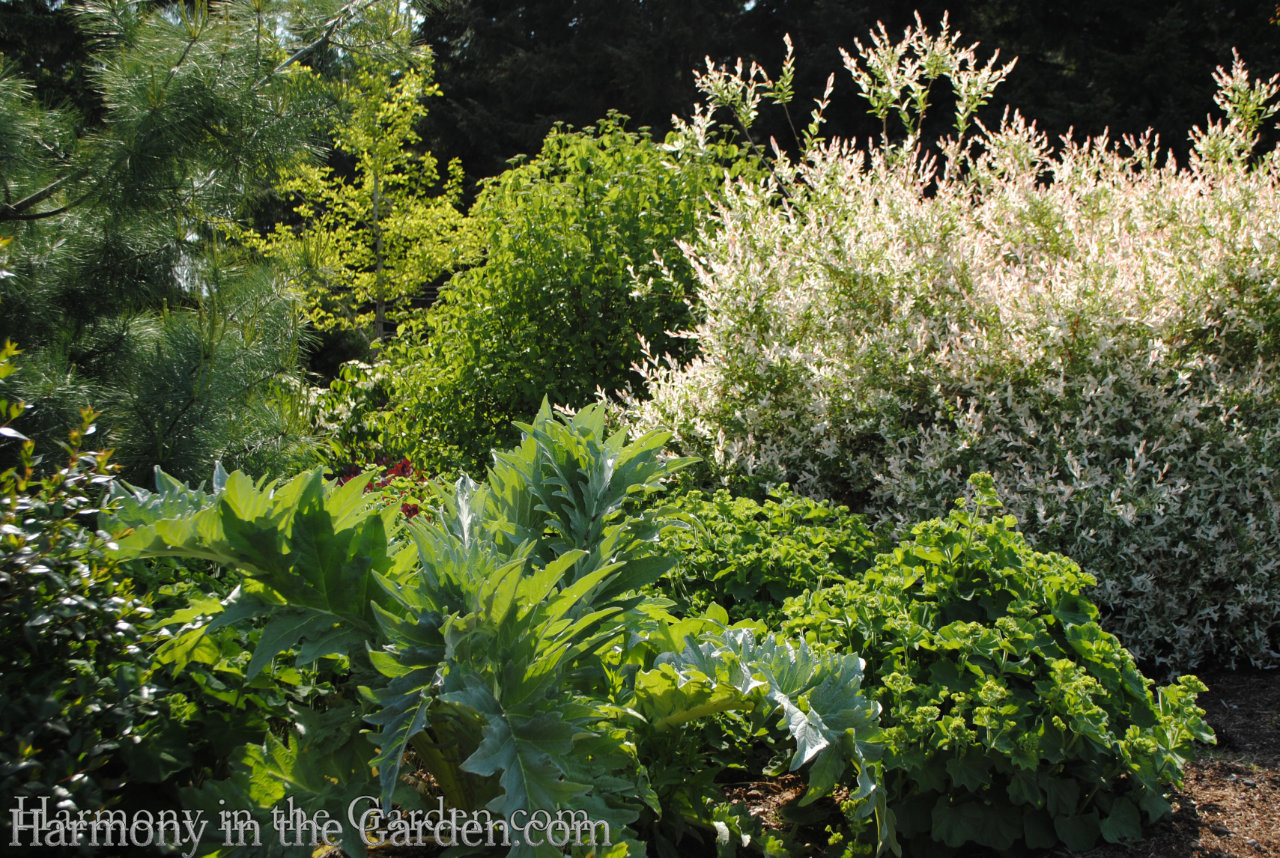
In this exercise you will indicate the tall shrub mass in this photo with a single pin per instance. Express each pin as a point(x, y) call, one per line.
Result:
point(578, 261)
point(1091, 322)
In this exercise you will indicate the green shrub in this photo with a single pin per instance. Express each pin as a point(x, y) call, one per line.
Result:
point(1011, 718)
point(580, 263)
point(749, 557)
point(352, 415)
point(104, 705)
point(72, 674)
point(1093, 325)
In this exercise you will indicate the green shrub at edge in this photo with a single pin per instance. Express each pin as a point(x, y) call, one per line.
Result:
point(1011, 717)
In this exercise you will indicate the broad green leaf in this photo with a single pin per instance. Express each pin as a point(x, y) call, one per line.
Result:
point(190, 646)
point(1122, 824)
point(1078, 831)
point(404, 703)
point(971, 821)
point(285, 631)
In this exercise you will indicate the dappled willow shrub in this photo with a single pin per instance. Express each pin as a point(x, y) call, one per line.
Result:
point(1159, 479)
point(1011, 718)
point(1094, 325)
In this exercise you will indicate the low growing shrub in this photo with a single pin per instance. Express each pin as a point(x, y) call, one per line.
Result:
point(106, 706)
point(748, 557)
point(73, 676)
point(1011, 718)
point(71, 672)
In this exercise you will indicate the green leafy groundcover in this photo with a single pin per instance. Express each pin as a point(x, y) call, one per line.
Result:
point(748, 557)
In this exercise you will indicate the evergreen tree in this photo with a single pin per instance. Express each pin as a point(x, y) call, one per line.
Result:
point(122, 288)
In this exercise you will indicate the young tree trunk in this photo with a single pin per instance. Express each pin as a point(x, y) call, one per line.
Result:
point(379, 293)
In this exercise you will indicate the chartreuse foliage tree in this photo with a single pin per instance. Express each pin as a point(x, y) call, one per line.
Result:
point(506, 642)
point(372, 239)
point(120, 285)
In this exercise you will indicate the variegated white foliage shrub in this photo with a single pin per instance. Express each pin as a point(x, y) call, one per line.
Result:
point(1093, 323)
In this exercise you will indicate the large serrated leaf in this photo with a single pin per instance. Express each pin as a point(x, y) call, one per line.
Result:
point(285, 631)
point(524, 750)
point(403, 714)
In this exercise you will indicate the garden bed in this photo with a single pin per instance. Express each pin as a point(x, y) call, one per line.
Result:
point(1229, 806)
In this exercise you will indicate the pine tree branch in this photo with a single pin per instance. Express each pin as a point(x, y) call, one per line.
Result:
point(350, 10)
point(17, 211)
point(21, 210)
point(8, 216)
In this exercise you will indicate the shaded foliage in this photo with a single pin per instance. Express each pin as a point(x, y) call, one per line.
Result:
point(120, 284)
point(41, 39)
point(511, 70)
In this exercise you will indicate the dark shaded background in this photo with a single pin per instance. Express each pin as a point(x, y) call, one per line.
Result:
point(509, 70)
